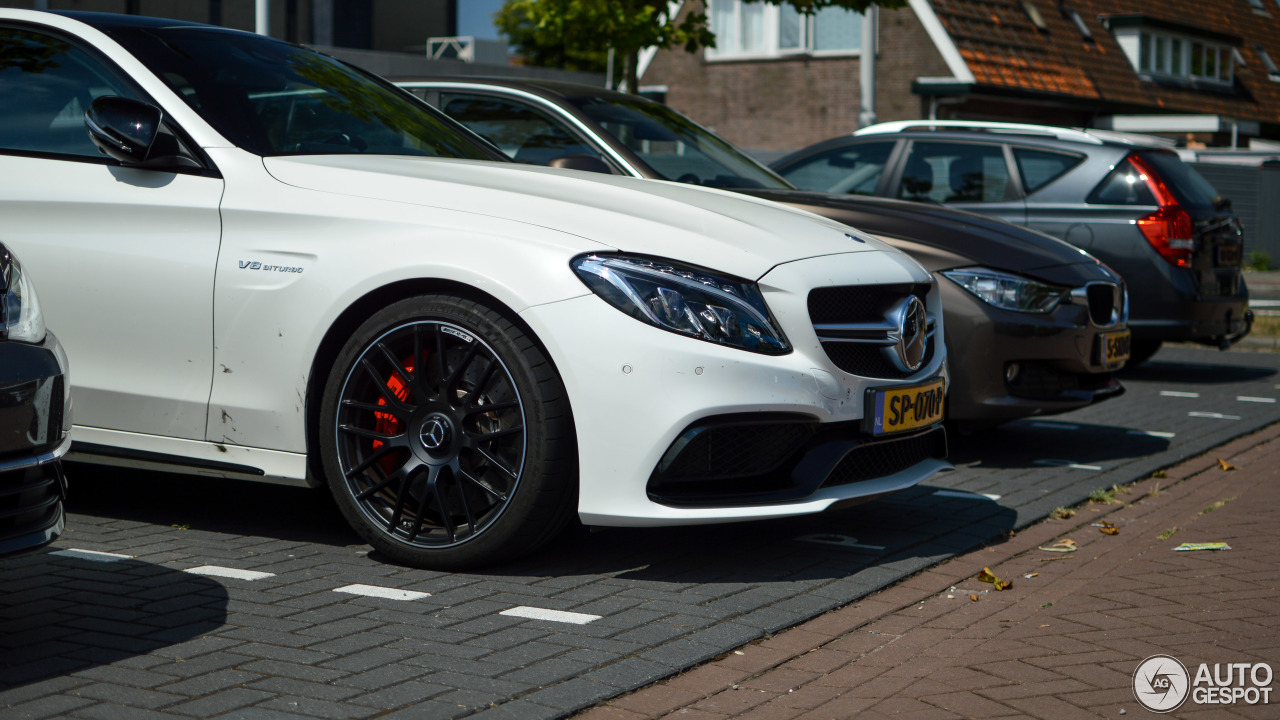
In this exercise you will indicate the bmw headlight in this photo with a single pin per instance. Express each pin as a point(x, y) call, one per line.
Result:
point(685, 300)
point(20, 316)
point(1007, 291)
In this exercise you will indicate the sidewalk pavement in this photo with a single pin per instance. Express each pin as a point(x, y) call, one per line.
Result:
point(1061, 644)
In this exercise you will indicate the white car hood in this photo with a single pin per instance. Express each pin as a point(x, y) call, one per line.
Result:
point(719, 230)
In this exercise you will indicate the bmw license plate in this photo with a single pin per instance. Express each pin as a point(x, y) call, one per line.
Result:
point(893, 410)
point(1115, 347)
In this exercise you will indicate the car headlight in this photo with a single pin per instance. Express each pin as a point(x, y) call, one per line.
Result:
point(20, 316)
point(1010, 292)
point(685, 300)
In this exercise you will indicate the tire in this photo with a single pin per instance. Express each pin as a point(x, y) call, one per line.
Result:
point(463, 459)
point(1142, 351)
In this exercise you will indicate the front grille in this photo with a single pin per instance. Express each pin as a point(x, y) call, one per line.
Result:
point(869, 360)
point(864, 304)
point(859, 303)
point(29, 500)
point(885, 457)
point(1105, 301)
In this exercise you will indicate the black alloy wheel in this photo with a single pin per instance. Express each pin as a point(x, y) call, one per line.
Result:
point(446, 437)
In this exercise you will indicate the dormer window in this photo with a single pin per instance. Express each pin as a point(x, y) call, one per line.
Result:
point(1161, 50)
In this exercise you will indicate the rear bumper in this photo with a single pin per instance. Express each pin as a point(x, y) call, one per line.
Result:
point(1211, 321)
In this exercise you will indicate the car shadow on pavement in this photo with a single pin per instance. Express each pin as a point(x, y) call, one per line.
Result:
point(235, 507)
point(1049, 442)
point(1166, 371)
point(916, 526)
point(61, 614)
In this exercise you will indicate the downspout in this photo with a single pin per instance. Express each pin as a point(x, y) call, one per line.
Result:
point(867, 67)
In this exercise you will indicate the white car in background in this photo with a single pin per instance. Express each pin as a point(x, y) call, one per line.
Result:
point(267, 265)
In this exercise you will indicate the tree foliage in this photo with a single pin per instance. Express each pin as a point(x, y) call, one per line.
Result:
point(577, 34)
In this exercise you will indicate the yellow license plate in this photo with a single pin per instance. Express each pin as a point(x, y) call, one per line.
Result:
point(1115, 347)
point(894, 410)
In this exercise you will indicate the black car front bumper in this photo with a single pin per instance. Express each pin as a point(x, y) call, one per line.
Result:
point(35, 424)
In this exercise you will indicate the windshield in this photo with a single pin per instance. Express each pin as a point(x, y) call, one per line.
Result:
point(273, 98)
point(674, 146)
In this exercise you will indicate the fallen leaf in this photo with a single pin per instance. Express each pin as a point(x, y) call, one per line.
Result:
point(1064, 545)
point(989, 577)
point(1225, 465)
point(973, 598)
point(1107, 528)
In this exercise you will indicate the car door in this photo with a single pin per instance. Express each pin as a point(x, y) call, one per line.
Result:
point(124, 258)
point(966, 175)
point(1048, 209)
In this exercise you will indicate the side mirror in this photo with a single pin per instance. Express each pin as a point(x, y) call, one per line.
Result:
point(587, 163)
point(123, 129)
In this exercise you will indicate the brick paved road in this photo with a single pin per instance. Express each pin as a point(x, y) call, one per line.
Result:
point(109, 637)
point(1061, 645)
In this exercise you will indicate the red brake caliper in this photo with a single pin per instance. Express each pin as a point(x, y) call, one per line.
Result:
point(386, 423)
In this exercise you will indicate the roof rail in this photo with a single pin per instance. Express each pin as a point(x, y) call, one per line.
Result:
point(1011, 128)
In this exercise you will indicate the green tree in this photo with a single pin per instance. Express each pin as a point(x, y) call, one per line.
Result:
point(577, 34)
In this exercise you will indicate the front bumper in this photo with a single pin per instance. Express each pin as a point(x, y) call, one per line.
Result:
point(635, 389)
point(1058, 358)
point(35, 420)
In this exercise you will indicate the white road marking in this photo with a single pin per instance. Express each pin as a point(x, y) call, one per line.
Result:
point(382, 592)
point(226, 572)
point(1175, 393)
point(965, 494)
point(534, 613)
point(1055, 426)
point(1067, 464)
point(93, 555)
point(1215, 416)
point(1264, 303)
point(839, 541)
point(1247, 398)
point(1152, 433)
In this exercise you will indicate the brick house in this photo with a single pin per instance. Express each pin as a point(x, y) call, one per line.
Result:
point(1201, 72)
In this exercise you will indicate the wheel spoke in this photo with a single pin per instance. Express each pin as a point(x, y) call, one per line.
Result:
point(419, 366)
point(450, 385)
point(395, 364)
point(440, 359)
point(483, 383)
point(368, 462)
point(496, 434)
point(497, 463)
point(494, 407)
point(446, 520)
point(381, 384)
point(395, 412)
point(466, 506)
point(501, 497)
point(371, 435)
point(433, 479)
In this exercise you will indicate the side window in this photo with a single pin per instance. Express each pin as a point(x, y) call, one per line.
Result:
point(852, 169)
point(525, 133)
point(46, 84)
point(955, 173)
point(1123, 186)
point(1041, 167)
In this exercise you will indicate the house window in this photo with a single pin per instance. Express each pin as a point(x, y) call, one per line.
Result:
point(1272, 71)
point(762, 30)
point(1163, 54)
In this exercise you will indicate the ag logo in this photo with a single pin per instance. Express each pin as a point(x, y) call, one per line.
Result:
point(1161, 683)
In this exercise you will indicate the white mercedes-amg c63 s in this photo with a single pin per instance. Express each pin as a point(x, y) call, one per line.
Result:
point(266, 264)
